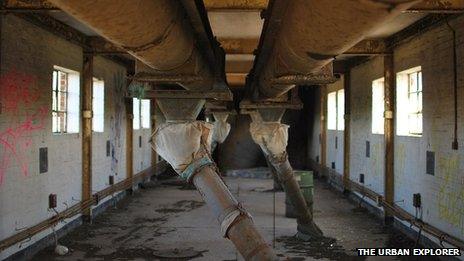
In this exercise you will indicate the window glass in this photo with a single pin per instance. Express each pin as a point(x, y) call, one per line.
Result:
point(145, 114)
point(136, 112)
point(98, 106)
point(332, 111)
point(341, 109)
point(378, 106)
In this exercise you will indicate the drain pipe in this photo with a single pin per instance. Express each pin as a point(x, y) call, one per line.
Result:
point(185, 143)
point(272, 136)
point(454, 144)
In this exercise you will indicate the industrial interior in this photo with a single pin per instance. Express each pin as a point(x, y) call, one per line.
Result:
point(230, 129)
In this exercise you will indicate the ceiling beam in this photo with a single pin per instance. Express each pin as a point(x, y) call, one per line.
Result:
point(27, 5)
point(98, 45)
point(236, 79)
point(239, 46)
point(438, 6)
point(248, 46)
point(243, 5)
point(368, 47)
point(93, 45)
point(427, 6)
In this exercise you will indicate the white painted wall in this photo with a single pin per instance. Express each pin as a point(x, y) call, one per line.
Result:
point(335, 153)
point(29, 53)
point(443, 193)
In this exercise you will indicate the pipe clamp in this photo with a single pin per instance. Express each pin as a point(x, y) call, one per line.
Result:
point(193, 168)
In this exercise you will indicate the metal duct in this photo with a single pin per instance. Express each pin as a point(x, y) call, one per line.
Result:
point(154, 31)
point(312, 33)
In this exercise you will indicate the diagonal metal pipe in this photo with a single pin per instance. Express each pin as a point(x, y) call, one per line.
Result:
point(185, 144)
point(267, 131)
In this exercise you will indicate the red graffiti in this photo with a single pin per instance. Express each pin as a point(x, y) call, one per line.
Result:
point(18, 91)
point(19, 96)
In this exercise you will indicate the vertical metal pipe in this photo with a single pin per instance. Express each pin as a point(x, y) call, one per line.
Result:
point(346, 133)
point(389, 75)
point(455, 145)
point(87, 75)
point(222, 203)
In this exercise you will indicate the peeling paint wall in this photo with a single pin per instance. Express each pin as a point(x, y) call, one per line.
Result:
point(335, 140)
point(28, 55)
point(370, 164)
point(442, 193)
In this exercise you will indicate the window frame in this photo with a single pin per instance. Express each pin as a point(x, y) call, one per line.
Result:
point(405, 104)
point(56, 97)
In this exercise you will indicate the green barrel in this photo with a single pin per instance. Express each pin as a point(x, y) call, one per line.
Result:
point(306, 182)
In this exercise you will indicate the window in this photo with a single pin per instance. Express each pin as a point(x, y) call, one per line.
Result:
point(98, 105)
point(341, 109)
point(336, 110)
point(145, 114)
point(332, 111)
point(136, 112)
point(65, 101)
point(141, 110)
point(378, 106)
point(409, 102)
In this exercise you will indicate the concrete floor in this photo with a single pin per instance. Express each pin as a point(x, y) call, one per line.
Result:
point(159, 219)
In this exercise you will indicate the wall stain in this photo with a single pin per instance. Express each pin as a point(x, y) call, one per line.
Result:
point(116, 121)
point(451, 194)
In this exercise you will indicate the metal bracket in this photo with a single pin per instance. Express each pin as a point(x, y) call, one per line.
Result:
point(388, 115)
point(87, 114)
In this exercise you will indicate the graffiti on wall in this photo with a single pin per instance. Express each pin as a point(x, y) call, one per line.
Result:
point(451, 194)
point(19, 95)
point(116, 120)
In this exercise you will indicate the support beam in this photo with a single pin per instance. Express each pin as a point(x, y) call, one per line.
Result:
point(239, 45)
point(438, 6)
point(91, 45)
point(426, 6)
point(87, 75)
point(27, 6)
point(236, 79)
point(368, 47)
point(323, 134)
point(98, 45)
point(129, 138)
point(389, 129)
point(224, 95)
point(346, 132)
point(247, 5)
point(248, 46)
